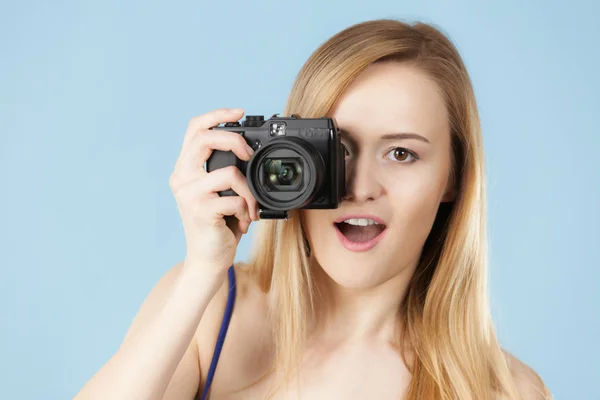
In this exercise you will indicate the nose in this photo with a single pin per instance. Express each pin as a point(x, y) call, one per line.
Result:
point(362, 183)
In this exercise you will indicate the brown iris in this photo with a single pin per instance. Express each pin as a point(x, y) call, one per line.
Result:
point(401, 154)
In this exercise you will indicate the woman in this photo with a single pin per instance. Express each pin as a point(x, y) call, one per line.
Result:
point(319, 313)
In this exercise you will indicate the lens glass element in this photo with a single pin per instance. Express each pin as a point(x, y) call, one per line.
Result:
point(283, 173)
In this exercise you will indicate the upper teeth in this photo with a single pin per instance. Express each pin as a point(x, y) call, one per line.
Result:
point(361, 221)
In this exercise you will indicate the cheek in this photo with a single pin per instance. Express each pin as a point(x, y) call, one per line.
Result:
point(413, 186)
point(415, 195)
point(312, 222)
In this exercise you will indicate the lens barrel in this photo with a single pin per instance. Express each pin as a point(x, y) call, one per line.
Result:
point(286, 173)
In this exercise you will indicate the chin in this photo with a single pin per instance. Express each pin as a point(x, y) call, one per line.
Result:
point(354, 270)
point(353, 276)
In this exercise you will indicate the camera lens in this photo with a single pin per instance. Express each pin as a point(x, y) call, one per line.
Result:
point(286, 173)
point(281, 172)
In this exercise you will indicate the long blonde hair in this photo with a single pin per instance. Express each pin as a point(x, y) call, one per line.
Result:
point(445, 316)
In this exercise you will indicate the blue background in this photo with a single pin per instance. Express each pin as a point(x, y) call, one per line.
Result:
point(95, 98)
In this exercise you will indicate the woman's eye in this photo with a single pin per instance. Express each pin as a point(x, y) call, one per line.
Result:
point(401, 154)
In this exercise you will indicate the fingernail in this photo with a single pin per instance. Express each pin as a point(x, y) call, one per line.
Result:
point(249, 149)
point(236, 110)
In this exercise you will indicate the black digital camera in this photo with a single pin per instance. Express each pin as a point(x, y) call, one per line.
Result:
point(297, 163)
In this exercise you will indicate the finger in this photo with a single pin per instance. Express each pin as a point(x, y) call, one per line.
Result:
point(190, 165)
point(231, 178)
point(237, 226)
point(202, 146)
point(243, 225)
point(224, 207)
point(211, 119)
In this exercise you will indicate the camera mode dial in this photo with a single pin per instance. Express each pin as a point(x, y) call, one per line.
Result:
point(254, 120)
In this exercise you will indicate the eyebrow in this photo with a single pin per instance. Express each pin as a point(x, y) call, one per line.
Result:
point(394, 136)
point(404, 135)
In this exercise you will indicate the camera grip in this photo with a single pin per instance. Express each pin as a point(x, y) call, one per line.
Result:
point(222, 159)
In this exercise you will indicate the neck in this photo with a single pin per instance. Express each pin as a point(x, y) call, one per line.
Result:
point(353, 314)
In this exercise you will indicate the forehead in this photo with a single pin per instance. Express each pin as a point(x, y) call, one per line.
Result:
point(392, 97)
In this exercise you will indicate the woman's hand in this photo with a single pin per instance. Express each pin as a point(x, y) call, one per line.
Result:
point(211, 242)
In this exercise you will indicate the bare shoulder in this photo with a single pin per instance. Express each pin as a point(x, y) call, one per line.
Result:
point(528, 382)
point(247, 343)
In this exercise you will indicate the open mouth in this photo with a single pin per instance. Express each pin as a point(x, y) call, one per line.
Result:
point(360, 234)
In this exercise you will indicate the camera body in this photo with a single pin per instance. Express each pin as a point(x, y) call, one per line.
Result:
point(298, 163)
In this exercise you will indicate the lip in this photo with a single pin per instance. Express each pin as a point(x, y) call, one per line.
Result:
point(367, 216)
point(359, 246)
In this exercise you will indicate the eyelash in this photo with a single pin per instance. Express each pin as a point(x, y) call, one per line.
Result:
point(414, 155)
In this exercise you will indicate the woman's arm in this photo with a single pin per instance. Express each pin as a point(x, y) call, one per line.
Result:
point(158, 358)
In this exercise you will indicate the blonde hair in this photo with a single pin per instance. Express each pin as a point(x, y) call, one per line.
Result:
point(445, 316)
